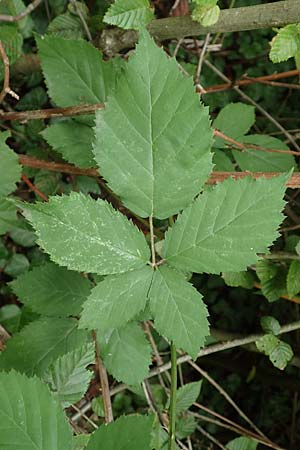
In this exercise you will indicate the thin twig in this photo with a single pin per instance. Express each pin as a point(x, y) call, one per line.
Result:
point(83, 21)
point(244, 147)
point(247, 81)
point(33, 188)
point(36, 114)
point(198, 86)
point(210, 437)
point(108, 412)
point(250, 100)
point(216, 177)
point(85, 417)
point(17, 17)
point(229, 427)
point(211, 349)
point(6, 89)
point(227, 397)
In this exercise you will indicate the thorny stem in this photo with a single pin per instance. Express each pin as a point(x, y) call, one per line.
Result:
point(172, 409)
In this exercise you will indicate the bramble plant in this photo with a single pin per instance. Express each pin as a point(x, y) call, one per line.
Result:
point(153, 145)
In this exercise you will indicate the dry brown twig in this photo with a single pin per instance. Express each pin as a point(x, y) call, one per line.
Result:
point(17, 17)
point(6, 88)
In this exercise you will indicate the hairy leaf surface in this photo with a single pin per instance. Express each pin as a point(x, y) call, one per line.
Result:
point(30, 418)
point(227, 226)
point(126, 433)
point(52, 290)
point(37, 345)
point(68, 376)
point(126, 353)
point(178, 310)
point(116, 300)
point(153, 139)
point(87, 235)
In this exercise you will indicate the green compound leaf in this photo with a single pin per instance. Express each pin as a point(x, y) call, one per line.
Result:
point(128, 14)
point(153, 139)
point(279, 352)
point(68, 376)
point(30, 418)
point(116, 300)
point(242, 443)
point(51, 290)
point(263, 161)
point(87, 235)
point(126, 433)
point(126, 353)
point(293, 279)
point(38, 344)
point(178, 310)
point(227, 226)
point(73, 140)
point(286, 43)
point(234, 120)
point(83, 77)
point(10, 167)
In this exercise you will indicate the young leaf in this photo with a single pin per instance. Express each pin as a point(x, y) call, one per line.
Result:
point(116, 300)
point(73, 140)
point(80, 441)
point(153, 139)
point(222, 162)
point(242, 443)
point(39, 343)
point(10, 167)
point(126, 433)
point(187, 395)
point(8, 216)
point(87, 235)
point(273, 279)
point(263, 161)
point(83, 77)
point(29, 416)
point(226, 226)
point(270, 325)
point(286, 43)
point(234, 120)
point(178, 310)
point(52, 290)
point(68, 376)
point(293, 279)
point(126, 353)
point(128, 14)
point(235, 279)
point(279, 352)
